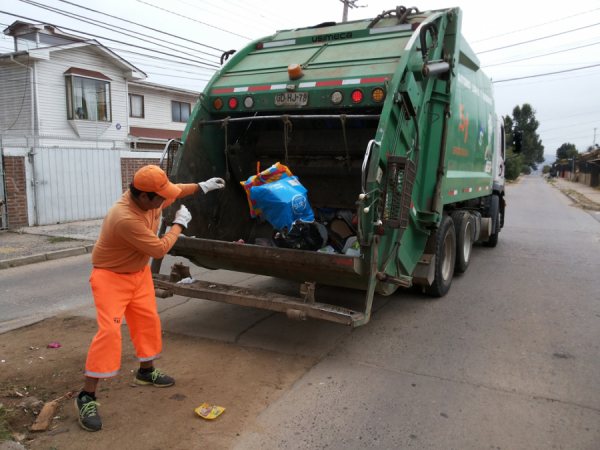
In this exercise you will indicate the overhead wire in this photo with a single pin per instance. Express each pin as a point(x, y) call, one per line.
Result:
point(193, 20)
point(551, 81)
point(570, 126)
point(540, 56)
point(546, 74)
point(258, 9)
point(108, 39)
point(86, 20)
point(535, 26)
point(222, 9)
point(140, 25)
point(106, 25)
point(533, 40)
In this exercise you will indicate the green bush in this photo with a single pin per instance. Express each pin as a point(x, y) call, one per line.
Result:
point(546, 169)
point(513, 168)
point(525, 169)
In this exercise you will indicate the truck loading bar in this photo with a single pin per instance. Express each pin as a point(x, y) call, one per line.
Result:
point(282, 87)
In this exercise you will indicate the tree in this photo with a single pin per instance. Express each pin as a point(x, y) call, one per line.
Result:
point(592, 148)
point(523, 119)
point(526, 169)
point(546, 169)
point(565, 151)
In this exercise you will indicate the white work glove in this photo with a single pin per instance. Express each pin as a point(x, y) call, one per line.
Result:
point(182, 217)
point(212, 184)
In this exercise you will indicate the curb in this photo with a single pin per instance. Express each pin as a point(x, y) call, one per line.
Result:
point(50, 256)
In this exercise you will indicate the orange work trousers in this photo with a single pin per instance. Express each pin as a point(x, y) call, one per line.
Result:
point(115, 295)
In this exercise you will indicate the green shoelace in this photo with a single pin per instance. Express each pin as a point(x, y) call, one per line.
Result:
point(156, 374)
point(89, 409)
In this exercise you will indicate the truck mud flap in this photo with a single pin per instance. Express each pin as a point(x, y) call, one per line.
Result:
point(303, 266)
point(293, 307)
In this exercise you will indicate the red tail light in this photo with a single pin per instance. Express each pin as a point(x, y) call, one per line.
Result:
point(357, 96)
point(232, 102)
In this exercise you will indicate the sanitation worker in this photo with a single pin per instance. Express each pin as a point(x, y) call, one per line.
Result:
point(122, 283)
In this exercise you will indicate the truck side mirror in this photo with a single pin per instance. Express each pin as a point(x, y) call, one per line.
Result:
point(517, 142)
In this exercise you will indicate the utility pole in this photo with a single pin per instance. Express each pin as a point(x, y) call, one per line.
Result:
point(351, 4)
point(594, 145)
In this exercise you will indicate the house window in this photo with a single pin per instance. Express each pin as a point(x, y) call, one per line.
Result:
point(88, 99)
point(181, 111)
point(136, 105)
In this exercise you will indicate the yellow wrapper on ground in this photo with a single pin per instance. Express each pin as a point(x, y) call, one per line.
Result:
point(208, 411)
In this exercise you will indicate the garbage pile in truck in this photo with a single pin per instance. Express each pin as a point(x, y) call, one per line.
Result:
point(278, 197)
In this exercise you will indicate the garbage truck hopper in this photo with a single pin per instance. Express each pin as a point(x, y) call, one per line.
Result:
point(368, 115)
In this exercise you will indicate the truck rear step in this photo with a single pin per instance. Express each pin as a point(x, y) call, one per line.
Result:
point(293, 307)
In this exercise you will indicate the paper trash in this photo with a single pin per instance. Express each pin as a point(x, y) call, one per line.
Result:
point(208, 411)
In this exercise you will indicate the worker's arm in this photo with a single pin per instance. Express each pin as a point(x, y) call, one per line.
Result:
point(135, 234)
point(186, 189)
point(203, 187)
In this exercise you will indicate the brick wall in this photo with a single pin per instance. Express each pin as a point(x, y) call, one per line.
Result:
point(16, 191)
point(129, 166)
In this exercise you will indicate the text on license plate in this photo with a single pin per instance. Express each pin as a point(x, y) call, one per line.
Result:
point(292, 99)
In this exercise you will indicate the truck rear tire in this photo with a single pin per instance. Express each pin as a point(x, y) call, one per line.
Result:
point(445, 259)
point(463, 227)
point(495, 214)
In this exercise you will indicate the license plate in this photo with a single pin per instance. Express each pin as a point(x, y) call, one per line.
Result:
point(292, 99)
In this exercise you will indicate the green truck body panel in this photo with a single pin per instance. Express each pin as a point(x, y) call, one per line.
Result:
point(454, 113)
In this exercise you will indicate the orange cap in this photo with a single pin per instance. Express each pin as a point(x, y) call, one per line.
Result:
point(294, 71)
point(154, 179)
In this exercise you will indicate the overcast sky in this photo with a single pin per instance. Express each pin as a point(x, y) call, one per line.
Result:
point(567, 104)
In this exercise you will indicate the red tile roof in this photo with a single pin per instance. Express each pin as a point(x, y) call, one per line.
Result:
point(87, 73)
point(154, 133)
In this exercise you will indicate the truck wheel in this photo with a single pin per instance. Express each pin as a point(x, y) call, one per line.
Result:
point(445, 259)
point(463, 227)
point(496, 222)
point(493, 240)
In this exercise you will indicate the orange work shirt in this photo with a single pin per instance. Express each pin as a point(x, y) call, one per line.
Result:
point(128, 236)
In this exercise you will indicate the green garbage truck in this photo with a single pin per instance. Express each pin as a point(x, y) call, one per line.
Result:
point(390, 118)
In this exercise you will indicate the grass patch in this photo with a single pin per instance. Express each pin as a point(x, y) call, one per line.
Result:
point(5, 434)
point(54, 240)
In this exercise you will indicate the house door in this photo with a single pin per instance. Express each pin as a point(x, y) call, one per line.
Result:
point(75, 184)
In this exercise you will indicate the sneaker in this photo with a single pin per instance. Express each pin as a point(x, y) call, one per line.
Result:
point(87, 408)
point(155, 378)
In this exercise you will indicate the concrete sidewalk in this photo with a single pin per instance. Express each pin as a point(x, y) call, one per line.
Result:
point(87, 230)
point(590, 194)
point(31, 245)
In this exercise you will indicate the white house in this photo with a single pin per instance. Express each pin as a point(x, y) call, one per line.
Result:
point(76, 121)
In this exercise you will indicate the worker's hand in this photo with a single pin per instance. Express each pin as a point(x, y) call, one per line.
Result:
point(182, 217)
point(212, 184)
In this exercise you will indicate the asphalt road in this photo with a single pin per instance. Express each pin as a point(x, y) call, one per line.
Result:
point(509, 359)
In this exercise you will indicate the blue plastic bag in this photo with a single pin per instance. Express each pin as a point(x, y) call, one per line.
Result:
point(283, 202)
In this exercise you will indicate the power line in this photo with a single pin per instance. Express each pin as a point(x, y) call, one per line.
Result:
point(258, 9)
point(108, 39)
point(540, 56)
point(570, 126)
point(193, 20)
point(87, 20)
point(143, 26)
point(533, 40)
point(223, 9)
point(535, 26)
point(560, 138)
point(546, 74)
point(554, 80)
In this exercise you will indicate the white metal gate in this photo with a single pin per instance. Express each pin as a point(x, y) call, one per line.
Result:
point(75, 184)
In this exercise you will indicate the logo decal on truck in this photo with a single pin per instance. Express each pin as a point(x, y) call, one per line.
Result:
point(331, 37)
point(464, 122)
